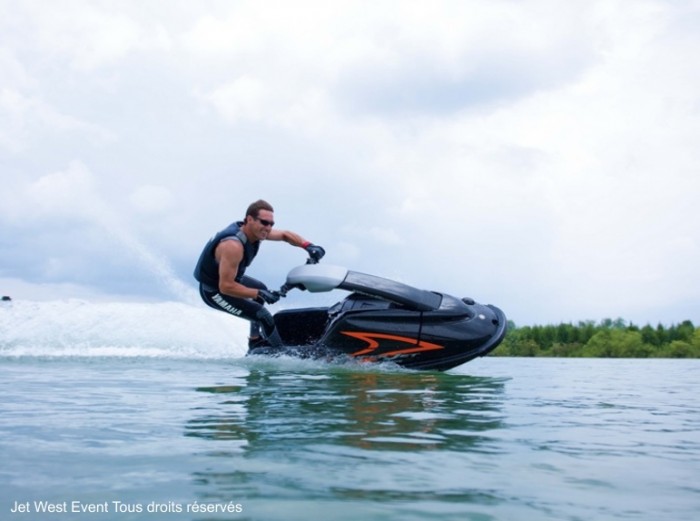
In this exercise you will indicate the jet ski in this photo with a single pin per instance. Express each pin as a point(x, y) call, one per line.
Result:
point(382, 320)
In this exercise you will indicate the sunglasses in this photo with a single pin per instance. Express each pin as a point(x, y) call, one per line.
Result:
point(265, 222)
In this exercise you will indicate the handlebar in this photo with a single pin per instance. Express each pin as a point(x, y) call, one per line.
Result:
point(285, 288)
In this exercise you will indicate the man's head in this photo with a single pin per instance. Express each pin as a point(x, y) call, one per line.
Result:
point(259, 219)
point(255, 208)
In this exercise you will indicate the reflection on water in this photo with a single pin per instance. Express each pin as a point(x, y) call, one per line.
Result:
point(369, 410)
point(338, 431)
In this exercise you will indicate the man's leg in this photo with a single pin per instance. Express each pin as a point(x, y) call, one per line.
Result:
point(251, 282)
point(247, 309)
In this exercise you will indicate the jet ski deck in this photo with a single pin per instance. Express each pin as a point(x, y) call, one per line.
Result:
point(384, 320)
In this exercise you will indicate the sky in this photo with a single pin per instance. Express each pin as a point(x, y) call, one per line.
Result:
point(538, 155)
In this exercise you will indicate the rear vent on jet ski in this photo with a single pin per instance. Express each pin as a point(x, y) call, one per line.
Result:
point(468, 301)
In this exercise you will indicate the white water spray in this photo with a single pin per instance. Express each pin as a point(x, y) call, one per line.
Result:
point(125, 329)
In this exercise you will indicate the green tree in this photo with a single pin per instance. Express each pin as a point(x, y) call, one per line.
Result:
point(616, 343)
point(684, 331)
point(649, 336)
point(678, 349)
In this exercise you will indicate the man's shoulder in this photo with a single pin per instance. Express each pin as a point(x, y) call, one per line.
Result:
point(231, 241)
point(231, 248)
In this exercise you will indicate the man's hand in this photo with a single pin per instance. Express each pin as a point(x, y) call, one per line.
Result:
point(316, 253)
point(267, 296)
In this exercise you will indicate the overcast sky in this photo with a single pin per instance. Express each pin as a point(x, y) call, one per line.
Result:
point(539, 155)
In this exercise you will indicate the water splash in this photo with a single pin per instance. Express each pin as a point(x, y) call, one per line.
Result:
point(156, 265)
point(80, 328)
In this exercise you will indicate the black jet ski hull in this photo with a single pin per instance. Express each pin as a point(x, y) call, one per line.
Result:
point(370, 329)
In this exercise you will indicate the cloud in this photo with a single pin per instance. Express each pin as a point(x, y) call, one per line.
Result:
point(419, 59)
point(244, 98)
point(55, 197)
point(27, 117)
point(151, 199)
point(461, 63)
point(84, 35)
point(63, 194)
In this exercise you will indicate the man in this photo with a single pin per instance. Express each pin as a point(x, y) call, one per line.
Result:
point(220, 270)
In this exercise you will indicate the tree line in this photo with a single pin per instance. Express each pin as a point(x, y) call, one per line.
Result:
point(605, 339)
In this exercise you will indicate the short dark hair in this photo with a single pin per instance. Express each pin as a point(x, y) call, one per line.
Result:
point(254, 209)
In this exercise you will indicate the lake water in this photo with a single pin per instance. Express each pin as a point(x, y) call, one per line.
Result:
point(161, 423)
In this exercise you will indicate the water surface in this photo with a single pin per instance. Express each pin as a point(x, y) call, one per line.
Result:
point(501, 439)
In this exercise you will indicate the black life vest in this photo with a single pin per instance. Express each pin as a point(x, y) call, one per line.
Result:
point(207, 269)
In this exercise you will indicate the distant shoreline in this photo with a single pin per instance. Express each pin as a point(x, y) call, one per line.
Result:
point(606, 339)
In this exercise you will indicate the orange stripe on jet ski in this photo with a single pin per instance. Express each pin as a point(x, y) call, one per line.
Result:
point(373, 343)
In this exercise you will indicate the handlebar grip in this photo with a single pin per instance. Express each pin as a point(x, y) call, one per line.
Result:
point(285, 288)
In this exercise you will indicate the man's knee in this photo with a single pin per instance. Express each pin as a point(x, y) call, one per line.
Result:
point(250, 282)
